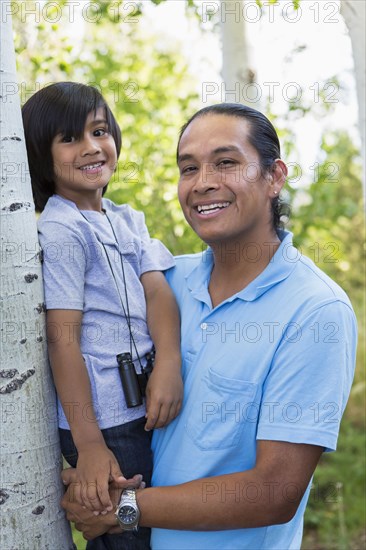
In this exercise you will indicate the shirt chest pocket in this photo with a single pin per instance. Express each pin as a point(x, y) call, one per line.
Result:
point(218, 411)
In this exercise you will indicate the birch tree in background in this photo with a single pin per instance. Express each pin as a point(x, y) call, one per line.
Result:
point(30, 484)
point(237, 70)
point(354, 14)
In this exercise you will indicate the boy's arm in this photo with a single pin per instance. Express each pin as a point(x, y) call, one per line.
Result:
point(95, 460)
point(165, 389)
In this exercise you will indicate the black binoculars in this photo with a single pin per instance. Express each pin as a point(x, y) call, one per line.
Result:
point(133, 384)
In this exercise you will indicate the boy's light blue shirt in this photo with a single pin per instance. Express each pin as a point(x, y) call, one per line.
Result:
point(273, 362)
point(77, 275)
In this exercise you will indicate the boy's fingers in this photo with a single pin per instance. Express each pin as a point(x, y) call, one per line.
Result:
point(74, 493)
point(163, 416)
point(167, 415)
point(90, 497)
point(105, 500)
point(147, 401)
point(152, 416)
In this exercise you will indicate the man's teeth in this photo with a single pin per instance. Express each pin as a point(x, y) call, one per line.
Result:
point(91, 166)
point(210, 208)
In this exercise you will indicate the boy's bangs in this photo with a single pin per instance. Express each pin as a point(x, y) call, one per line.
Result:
point(74, 108)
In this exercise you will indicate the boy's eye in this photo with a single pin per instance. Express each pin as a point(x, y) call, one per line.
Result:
point(67, 139)
point(100, 132)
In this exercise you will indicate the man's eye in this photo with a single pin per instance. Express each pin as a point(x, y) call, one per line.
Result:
point(188, 169)
point(225, 163)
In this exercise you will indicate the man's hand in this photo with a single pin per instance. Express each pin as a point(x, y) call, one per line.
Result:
point(85, 520)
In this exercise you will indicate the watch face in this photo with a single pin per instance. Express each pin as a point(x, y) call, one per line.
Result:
point(127, 514)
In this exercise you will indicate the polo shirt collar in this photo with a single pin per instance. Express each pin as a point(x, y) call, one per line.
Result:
point(279, 268)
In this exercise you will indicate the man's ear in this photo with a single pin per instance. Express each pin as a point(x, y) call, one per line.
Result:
point(278, 177)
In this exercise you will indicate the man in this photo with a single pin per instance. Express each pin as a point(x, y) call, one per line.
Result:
point(268, 346)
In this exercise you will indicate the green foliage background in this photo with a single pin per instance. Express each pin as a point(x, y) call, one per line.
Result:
point(151, 92)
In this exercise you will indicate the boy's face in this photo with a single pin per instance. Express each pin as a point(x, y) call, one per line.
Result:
point(82, 167)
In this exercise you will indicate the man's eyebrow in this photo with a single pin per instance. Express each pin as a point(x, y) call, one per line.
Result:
point(217, 151)
point(227, 149)
point(187, 156)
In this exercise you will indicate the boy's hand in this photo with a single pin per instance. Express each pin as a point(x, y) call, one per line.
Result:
point(96, 467)
point(164, 394)
point(85, 521)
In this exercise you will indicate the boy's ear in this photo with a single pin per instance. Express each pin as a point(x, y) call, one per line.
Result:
point(278, 177)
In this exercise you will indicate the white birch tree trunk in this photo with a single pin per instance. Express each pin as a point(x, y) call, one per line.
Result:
point(237, 72)
point(30, 484)
point(354, 14)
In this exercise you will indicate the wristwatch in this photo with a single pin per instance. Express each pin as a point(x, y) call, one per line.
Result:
point(128, 513)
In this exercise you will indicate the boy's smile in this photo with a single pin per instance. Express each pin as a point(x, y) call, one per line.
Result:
point(84, 166)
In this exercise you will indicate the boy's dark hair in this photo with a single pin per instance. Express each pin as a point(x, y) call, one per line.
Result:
point(262, 136)
point(58, 108)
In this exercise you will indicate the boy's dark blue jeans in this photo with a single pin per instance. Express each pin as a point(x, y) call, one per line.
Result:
point(131, 446)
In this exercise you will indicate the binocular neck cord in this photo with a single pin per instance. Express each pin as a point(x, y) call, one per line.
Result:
point(125, 313)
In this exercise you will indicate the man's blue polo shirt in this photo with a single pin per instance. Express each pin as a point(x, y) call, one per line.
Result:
point(275, 362)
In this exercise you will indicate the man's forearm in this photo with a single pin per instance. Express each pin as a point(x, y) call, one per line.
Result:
point(225, 502)
point(267, 494)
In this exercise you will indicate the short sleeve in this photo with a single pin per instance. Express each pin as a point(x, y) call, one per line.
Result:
point(154, 255)
point(64, 266)
point(308, 385)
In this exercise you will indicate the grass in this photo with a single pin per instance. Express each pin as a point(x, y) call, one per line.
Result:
point(79, 541)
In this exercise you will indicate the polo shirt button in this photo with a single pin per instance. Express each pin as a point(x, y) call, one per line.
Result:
point(203, 326)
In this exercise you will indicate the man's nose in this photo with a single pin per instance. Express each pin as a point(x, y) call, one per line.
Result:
point(208, 178)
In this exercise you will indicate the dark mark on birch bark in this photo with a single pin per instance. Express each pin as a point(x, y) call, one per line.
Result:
point(12, 138)
point(41, 308)
point(39, 510)
point(16, 206)
point(3, 496)
point(10, 373)
point(17, 383)
point(30, 277)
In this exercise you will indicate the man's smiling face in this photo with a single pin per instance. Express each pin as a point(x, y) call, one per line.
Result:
point(223, 193)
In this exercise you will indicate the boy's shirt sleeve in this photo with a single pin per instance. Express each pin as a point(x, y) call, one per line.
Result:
point(64, 266)
point(154, 255)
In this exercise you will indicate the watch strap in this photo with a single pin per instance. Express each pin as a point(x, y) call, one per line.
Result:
point(128, 498)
